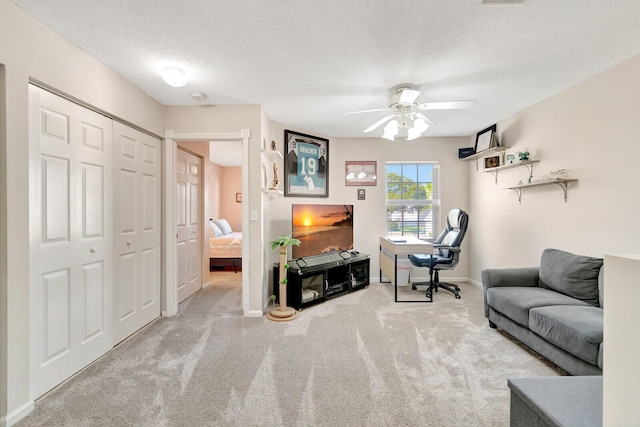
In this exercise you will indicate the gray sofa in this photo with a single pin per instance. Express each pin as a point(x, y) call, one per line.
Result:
point(556, 309)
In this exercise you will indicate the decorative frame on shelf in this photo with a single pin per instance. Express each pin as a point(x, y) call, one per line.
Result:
point(306, 165)
point(493, 161)
point(485, 139)
point(360, 173)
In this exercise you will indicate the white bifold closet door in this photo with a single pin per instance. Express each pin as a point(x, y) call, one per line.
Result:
point(71, 238)
point(136, 229)
point(95, 235)
point(189, 249)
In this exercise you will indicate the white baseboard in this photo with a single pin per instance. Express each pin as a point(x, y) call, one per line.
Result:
point(254, 313)
point(15, 416)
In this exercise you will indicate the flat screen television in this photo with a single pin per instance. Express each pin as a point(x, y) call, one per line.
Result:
point(321, 228)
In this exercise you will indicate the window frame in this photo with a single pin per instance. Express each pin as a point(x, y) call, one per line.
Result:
point(411, 226)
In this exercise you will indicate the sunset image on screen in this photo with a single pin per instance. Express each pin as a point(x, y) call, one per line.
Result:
point(322, 228)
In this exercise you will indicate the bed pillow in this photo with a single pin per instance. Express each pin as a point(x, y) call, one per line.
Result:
point(214, 230)
point(223, 225)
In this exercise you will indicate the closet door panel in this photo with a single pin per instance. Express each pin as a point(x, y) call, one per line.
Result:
point(71, 298)
point(137, 224)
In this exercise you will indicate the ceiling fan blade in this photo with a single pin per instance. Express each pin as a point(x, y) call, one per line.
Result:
point(378, 123)
point(448, 105)
point(426, 119)
point(367, 111)
point(408, 96)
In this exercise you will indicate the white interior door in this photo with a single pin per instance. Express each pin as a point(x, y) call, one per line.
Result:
point(137, 229)
point(71, 294)
point(188, 218)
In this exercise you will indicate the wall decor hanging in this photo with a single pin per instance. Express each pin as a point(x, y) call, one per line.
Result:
point(306, 164)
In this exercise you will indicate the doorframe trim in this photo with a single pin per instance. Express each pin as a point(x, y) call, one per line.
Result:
point(169, 229)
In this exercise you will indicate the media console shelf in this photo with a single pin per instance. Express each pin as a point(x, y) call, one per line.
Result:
point(524, 163)
point(316, 278)
point(562, 183)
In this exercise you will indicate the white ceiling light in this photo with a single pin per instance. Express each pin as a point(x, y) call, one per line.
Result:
point(419, 126)
point(391, 130)
point(174, 76)
point(406, 113)
point(198, 96)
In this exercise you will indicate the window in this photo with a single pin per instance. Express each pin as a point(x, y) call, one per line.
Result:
point(413, 199)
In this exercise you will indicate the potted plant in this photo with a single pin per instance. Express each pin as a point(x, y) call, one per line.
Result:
point(283, 312)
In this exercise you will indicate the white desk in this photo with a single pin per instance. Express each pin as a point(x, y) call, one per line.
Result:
point(391, 247)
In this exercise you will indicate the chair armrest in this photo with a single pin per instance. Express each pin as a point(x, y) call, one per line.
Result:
point(500, 277)
point(447, 248)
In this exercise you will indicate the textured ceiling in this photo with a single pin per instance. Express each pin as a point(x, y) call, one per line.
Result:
point(306, 62)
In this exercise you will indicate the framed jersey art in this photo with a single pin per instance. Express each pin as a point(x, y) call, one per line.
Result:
point(306, 165)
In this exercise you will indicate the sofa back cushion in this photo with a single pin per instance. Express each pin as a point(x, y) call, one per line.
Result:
point(569, 274)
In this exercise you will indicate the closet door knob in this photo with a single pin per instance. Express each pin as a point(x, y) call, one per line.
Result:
point(93, 250)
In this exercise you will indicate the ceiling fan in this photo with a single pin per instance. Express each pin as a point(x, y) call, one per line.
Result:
point(406, 113)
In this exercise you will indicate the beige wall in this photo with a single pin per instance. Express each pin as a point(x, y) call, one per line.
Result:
point(29, 50)
point(369, 214)
point(233, 118)
point(590, 129)
point(231, 185)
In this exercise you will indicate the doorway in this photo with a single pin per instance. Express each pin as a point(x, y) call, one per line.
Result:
point(170, 147)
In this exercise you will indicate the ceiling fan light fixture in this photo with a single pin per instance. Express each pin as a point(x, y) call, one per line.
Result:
point(390, 130)
point(174, 76)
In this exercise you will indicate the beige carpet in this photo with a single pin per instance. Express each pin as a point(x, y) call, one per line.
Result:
point(356, 360)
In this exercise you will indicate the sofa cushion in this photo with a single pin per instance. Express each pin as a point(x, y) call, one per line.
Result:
point(601, 287)
point(516, 301)
point(573, 275)
point(575, 329)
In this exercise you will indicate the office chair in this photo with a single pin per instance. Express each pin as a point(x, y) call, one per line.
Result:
point(446, 254)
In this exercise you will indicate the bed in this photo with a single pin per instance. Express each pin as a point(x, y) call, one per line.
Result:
point(225, 246)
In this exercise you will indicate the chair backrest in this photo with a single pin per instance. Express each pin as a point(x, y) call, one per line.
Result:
point(456, 227)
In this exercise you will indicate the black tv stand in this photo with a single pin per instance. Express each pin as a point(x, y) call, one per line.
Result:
point(317, 278)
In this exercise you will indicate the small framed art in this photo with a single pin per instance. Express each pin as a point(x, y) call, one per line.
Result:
point(360, 173)
point(486, 139)
point(490, 162)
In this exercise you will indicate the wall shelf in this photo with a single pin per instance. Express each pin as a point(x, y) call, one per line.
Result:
point(484, 153)
point(272, 159)
point(562, 183)
point(525, 163)
point(272, 191)
point(273, 155)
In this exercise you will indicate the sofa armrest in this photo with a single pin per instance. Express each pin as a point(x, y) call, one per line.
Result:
point(498, 277)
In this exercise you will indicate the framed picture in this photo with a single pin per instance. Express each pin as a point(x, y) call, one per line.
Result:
point(238, 197)
point(485, 139)
point(306, 165)
point(492, 161)
point(360, 173)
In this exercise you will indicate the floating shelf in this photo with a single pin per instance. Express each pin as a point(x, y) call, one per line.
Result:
point(562, 183)
point(273, 155)
point(485, 153)
point(525, 163)
point(272, 191)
